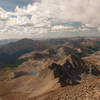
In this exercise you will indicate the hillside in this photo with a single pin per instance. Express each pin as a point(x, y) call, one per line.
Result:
point(55, 77)
point(9, 53)
point(93, 58)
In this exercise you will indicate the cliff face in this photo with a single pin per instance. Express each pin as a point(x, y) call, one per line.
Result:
point(73, 70)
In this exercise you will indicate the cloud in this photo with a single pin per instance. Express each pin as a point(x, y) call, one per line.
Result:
point(62, 28)
point(86, 11)
point(46, 16)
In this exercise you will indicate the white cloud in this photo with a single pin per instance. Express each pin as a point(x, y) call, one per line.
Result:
point(85, 29)
point(62, 27)
point(89, 25)
point(36, 19)
point(98, 28)
point(86, 11)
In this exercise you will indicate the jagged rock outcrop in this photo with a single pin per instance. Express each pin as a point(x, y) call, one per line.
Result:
point(73, 70)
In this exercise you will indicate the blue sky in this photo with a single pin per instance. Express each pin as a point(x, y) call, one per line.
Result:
point(10, 5)
point(49, 18)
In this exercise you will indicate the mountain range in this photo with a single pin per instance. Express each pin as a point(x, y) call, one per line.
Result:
point(52, 69)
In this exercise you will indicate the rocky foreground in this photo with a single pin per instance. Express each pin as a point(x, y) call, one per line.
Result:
point(70, 79)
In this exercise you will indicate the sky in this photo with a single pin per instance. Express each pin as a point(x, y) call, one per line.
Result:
point(49, 18)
